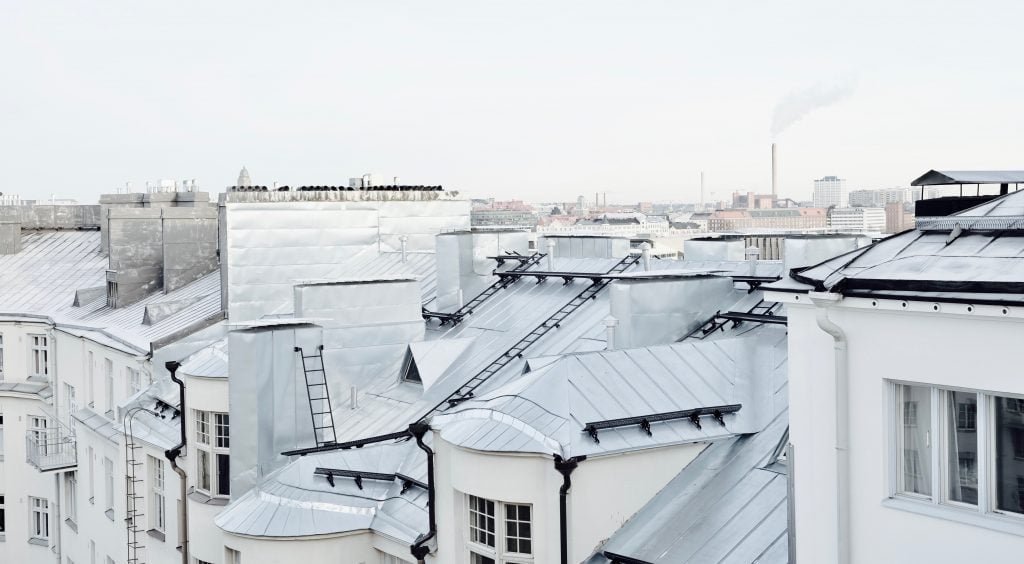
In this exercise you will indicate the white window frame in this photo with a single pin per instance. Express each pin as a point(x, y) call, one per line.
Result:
point(1, 356)
point(1, 436)
point(39, 518)
point(499, 552)
point(39, 426)
point(157, 495)
point(90, 371)
point(133, 377)
point(71, 495)
point(39, 356)
point(108, 380)
point(937, 504)
point(91, 477)
point(108, 484)
point(212, 441)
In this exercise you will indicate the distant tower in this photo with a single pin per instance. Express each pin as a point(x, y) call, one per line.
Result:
point(243, 178)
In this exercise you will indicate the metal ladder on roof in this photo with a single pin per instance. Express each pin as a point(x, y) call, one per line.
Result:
point(319, 396)
point(465, 392)
point(456, 316)
point(134, 495)
point(716, 322)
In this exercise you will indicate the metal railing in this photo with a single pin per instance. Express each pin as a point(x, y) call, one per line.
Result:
point(51, 448)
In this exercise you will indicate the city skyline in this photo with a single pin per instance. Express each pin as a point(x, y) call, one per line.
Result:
point(634, 102)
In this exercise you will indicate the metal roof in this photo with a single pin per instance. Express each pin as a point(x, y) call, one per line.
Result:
point(546, 410)
point(971, 259)
point(729, 504)
point(49, 269)
point(941, 177)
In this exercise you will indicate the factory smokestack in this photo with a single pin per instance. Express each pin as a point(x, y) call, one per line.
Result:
point(775, 193)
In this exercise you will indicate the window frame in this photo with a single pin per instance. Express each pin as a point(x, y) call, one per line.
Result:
point(38, 355)
point(1, 357)
point(985, 513)
point(210, 453)
point(71, 495)
point(157, 495)
point(499, 552)
point(39, 518)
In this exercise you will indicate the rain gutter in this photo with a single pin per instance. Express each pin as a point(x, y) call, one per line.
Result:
point(565, 467)
point(823, 301)
point(172, 455)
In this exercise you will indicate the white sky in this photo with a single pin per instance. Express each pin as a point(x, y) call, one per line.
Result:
point(519, 99)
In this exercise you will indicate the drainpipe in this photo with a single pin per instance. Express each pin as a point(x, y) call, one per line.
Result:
point(822, 301)
point(565, 468)
point(419, 549)
point(172, 455)
point(56, 511)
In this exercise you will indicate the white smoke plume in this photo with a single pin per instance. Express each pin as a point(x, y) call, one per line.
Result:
point(796, 105)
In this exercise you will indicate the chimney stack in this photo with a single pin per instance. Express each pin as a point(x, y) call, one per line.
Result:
point(775, 193)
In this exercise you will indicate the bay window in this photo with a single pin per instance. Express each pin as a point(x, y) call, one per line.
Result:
point(512, 542)
point(959, 448)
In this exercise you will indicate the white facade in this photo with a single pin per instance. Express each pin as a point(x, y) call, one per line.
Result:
point(829, 191)
point(858, 220)
point(880, 197)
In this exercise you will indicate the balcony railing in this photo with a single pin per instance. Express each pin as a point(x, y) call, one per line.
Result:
point(51, 449)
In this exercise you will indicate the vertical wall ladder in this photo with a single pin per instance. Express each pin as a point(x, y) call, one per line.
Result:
point(319, 396)
point(134, 495)
point(590, 292)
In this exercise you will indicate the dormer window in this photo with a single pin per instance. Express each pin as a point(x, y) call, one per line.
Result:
point(410, 372)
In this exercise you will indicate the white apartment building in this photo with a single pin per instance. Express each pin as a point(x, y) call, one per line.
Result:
point(880, 197)
point(829, 191)
point(857, 220)
point(907, 411)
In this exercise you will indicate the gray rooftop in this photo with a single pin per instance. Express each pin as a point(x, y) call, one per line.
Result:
point(944, 177)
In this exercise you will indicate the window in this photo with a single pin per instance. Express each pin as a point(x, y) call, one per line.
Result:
point(92, 552)
point(232, 556)
point(213, 474)
point(90, 372)
point(39, 519)
point(37, 430)
point(108, 371)
point(39, 356)
point(1, 437)
point(70, 404)
point(108, 486)
point(490, 544)
point(3, 517)
point(134, 381)
point(386, 558)
point(157, 500)
point(947, 438)
point(71, 495)
point(89, 475)
point(1, 357)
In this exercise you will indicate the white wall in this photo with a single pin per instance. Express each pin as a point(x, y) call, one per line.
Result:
point(978, 350)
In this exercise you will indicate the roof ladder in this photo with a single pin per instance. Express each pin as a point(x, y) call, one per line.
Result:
point(590, 292)
point(134, 493)
point(525, 263)
point(319, 396)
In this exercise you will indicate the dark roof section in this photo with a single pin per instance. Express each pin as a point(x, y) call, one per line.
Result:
point(975, 256)
point(944, 177)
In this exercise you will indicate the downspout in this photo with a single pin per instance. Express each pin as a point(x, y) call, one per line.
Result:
point(565, 468)
point(56, 510)
point(822, 301)
point(172, 455)
point(419, 549)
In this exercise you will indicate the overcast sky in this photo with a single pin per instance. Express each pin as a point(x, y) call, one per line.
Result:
point(518, 99)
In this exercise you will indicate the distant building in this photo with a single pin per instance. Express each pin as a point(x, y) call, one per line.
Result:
point(897, 218)
point(829, 191)
point(752, 201)
point(791, 218)
point(880, 198)
point(863, 220)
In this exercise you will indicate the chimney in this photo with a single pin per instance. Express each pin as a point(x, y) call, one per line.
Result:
point(609, 324)
point(551, 255)
point(645, 253)
point(775, 193)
